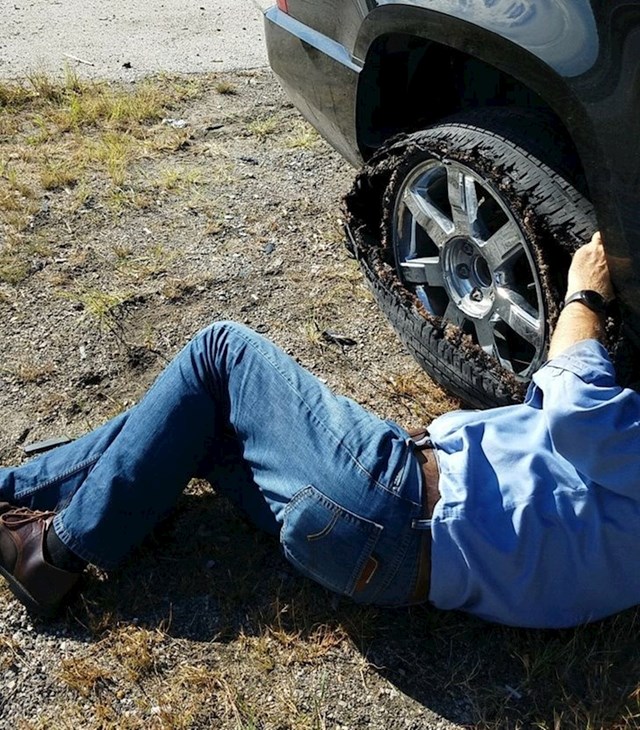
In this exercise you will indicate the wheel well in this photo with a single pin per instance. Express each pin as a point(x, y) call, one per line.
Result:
point(408, 83)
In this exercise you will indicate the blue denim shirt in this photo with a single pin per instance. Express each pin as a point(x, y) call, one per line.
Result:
point(539, 520)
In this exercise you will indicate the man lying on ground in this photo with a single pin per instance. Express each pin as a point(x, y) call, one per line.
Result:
point(527, 515)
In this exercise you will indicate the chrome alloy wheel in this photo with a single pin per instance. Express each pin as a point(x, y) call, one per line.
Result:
point(460, 248)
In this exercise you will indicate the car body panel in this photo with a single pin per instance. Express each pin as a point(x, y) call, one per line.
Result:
point(330, 107)
point(561, 33)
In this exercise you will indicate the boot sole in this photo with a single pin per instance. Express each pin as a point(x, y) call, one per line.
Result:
point(23, 595)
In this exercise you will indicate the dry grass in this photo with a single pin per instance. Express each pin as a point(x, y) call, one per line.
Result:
point(101, 305)
point(114, 151)
point(65, 132)
point(178, 178)
point(84, 676)
point(289, 660)
point(9, 652)
point(226, 88)
point(125, 652)
point(139, 265)
point(135, 649)
point(59, 174)
point(416, 396)
point(21, 253)
point(302, 136)
point(30, 371)
point(175, 289)
point(13, 267)
point(264, 127)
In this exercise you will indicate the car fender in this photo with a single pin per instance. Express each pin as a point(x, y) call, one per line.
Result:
point(561, 33)
point(501, 48)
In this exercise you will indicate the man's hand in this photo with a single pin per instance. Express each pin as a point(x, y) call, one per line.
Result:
point(589, 269)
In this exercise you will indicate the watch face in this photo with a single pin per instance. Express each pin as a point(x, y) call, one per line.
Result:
point(593, 300)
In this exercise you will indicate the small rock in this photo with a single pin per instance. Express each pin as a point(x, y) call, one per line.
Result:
point(175, 123)
point(338, 339)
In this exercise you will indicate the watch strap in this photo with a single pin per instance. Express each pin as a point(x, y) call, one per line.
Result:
point(591, 299)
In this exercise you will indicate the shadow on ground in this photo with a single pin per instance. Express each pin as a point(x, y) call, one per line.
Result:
point(207, 576)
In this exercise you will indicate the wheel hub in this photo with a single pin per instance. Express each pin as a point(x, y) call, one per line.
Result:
point(467, 277)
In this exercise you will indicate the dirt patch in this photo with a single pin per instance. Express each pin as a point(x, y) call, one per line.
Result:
point(126, 226)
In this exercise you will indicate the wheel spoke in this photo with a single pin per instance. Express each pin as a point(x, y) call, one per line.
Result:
point(454, 315)
point(461, 189)
point(426, 270)
point(516, 311)
point(413, 242)
point(486, 335)
point(502, 245)
point(435, 223)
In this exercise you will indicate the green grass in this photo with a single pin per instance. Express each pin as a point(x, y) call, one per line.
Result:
point(63, 133)
point(264, 127)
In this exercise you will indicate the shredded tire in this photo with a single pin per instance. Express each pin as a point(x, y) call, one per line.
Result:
point(554, 216)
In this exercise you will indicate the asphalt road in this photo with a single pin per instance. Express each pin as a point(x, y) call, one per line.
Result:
point(120, 39)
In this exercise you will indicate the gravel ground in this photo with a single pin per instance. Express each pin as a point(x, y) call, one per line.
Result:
point(227, 206)
point(123, 40)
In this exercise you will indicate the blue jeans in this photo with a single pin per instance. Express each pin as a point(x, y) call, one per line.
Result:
point(337, 484)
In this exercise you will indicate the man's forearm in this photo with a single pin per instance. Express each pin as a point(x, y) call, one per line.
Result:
point(588, 273)
point(576, 323)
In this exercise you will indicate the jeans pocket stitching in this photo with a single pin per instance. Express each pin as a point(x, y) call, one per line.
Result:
point(370, 534)
point(393, 569)
point(325, 530)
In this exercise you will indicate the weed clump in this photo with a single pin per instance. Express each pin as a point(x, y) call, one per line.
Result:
point(69, 144)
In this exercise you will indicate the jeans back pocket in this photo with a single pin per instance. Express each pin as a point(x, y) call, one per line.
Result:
point(327, 542)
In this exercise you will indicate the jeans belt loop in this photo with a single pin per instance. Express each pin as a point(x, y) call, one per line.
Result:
point(430, 495)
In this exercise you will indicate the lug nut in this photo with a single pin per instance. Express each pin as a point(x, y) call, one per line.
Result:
point(476, 295)
point(467, 248)
point(462, 270)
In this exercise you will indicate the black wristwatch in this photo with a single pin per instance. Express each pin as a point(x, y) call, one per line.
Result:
point(593, 300)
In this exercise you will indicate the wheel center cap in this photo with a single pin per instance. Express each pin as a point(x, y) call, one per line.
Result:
point(467, 277)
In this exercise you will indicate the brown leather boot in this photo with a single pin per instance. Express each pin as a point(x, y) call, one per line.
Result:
point(38, 584)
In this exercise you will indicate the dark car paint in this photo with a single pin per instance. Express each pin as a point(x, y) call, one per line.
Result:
point(586, 67)
point(322, 83)
point(562, 34)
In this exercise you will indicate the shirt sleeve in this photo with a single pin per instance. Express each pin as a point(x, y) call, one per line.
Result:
point(592, 421)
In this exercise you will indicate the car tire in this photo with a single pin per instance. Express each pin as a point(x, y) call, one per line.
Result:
point(464, 232)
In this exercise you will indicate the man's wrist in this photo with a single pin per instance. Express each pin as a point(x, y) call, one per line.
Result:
point(589, 298)
point(577, 322)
